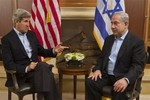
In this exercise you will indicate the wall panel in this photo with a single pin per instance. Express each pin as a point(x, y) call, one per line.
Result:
point(6, 9)
point(25, 4)
point(136, 11)
point(78, 3)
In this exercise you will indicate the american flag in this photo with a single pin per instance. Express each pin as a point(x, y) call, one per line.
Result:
point(46, 21)
point(103, 14)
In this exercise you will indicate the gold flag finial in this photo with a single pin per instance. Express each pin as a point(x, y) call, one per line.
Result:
point(48, 16)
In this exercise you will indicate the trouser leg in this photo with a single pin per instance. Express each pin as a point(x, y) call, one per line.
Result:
point(91, 92)
point(40, 96)
point(53, 94)
point(94, 88)
point(119, 96)
point(44, 82)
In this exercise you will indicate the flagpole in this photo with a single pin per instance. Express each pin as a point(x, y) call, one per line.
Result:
point(146, 24)
point(48, 11)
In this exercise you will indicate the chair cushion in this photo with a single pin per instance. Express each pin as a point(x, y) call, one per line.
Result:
point(22, 88)
point(25, 87)
point(107, 91)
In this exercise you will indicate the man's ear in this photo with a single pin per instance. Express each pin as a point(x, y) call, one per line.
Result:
point(126, 23)
point(16, 21)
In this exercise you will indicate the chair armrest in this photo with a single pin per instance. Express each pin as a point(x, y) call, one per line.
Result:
point(13, 74)
point(10, 71)
point(139, 78)
point(141, 75)
point(134, 93)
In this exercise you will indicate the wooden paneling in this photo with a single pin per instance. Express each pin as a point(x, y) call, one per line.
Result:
point(136, 11)
point(78, 3)
point(25, 4)
point(6, 10)
point(148, 1)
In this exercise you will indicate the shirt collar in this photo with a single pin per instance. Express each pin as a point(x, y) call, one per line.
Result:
point(123, 36)
point(18, 33)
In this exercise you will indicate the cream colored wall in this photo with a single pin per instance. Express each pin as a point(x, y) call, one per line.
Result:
point(146, 80)
point(2, 77)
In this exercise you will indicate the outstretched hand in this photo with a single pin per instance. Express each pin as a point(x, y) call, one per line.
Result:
point(59, 48)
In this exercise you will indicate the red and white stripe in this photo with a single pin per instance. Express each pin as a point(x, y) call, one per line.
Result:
point(47, 33)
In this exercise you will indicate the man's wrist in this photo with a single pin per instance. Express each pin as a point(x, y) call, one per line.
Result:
point(127, 80)
point(54, 52)
point(28, 69)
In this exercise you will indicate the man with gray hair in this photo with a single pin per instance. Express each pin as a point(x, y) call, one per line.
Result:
point(121, 61)
point(20, 51)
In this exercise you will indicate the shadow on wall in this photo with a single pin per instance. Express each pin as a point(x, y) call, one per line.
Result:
point(149, 57)
point(0, 52)
point(80, 43)
point(78, 35)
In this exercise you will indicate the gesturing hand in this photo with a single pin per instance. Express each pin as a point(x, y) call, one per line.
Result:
point(59, 48)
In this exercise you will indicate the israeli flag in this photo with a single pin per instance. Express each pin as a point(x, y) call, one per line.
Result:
point(102, 21)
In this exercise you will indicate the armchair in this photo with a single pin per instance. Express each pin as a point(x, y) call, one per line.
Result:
point(21, 90)
point(133, 94)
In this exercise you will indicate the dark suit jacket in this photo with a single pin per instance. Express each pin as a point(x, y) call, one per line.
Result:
point(130, 60)
point(15, 57)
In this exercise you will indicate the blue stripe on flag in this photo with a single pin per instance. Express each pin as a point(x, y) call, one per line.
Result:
point(100, 23)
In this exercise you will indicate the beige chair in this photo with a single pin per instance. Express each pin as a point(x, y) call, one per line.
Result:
point(133, 94)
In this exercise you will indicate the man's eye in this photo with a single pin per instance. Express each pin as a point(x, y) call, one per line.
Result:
point(116, 23)
point(26, 21)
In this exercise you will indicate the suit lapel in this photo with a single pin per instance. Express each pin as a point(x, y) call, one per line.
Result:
point(30, 38)
point(124, 46)
point(108, 49)
point(111, 42)
point(18, 42)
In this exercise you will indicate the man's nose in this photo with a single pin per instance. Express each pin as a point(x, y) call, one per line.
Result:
point(27, 24)
point(112, 25)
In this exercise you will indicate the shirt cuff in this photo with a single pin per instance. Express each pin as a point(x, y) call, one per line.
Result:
point(127, 80)
point(54, 51)
point(26, 70)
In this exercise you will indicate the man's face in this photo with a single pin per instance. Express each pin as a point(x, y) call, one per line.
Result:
point(118, 26)
point(23, 25)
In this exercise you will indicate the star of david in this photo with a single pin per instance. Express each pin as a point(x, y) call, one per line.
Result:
point(116, 8)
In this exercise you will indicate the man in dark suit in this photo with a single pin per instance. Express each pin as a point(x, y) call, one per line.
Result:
point(20, 51)
point(120, 63)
